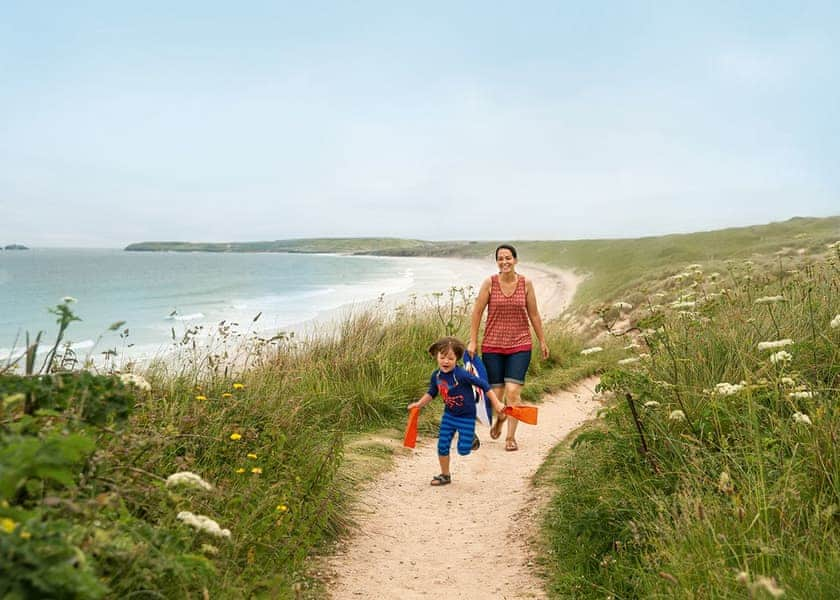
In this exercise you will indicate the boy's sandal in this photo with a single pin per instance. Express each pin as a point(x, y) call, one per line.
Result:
point(510, 445)
point(441, 479)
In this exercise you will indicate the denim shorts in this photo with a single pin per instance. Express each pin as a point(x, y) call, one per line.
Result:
point(506, 367)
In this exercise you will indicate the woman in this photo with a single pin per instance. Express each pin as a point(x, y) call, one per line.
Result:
point(506, 348)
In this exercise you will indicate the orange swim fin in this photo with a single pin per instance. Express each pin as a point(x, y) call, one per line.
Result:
point(411, 428)
point(524, 413)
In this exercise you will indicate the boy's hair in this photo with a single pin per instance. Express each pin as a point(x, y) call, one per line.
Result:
point(448, 343)
point(505, 247)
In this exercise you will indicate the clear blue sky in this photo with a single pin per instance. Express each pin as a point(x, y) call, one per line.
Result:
point(228, 121)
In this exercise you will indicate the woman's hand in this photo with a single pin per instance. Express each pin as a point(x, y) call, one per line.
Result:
point(471, 348)
point(544, 349)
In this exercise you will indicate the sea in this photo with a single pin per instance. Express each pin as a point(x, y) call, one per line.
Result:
point(160, 295)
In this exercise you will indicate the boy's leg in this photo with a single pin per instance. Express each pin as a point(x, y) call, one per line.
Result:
point(444, 464)
point(466, 434)
point(447, 432)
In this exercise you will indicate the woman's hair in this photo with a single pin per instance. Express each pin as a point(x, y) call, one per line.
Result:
point(448, 343)
point(505, 247)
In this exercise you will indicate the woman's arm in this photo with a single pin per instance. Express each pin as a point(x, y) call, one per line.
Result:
point(478, 310)
point(534, 316)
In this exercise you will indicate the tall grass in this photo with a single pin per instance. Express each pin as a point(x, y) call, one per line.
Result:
point(691, 488)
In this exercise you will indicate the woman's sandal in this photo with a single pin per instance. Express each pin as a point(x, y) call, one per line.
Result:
point(510, 445)
point(441, 479)
point(496, 428)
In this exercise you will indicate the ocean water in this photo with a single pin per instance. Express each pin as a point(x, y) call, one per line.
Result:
point(158, 292)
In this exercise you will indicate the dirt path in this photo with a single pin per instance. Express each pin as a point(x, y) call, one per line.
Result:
point(466, 540)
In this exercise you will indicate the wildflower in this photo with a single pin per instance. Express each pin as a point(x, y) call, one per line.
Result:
point(835, 322)
point(725, 483)
point(25, 535)
point(69, 300)
point(201, 397)
point(799, 417)
point(209, 549)
point(623, 306)
point(780, 357)
point(238, 386)
point(282, 508)
point(677, 415)
point(251, 455)
point(7, 525)
point(801, 395)
point(685, 304)
point(632, 345)
point(644, 356)
point(743, 578)
point(728, 389)
point(694, 267)
point(136, 380)
point(257, 470)
point(235, 436)
point(591, 350)
point(240, 470)
point(651, 404)
point(768, 584)
point(769, 300)
point(187, 478)
point(629, 361)
point(227, 395)
point(788, 381)
point(203, 523)
point(775, 344)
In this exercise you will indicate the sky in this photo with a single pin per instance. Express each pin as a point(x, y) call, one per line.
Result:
point(221, 121)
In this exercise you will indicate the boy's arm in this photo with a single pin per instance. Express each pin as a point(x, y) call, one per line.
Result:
point(423, 401)
point(494, 400)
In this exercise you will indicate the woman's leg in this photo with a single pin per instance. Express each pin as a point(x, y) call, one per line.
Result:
point(512, 398)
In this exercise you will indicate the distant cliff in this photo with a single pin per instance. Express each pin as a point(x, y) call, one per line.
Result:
point(382, 246)
point(15, 247)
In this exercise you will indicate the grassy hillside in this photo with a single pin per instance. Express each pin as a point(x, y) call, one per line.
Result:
point(313, 245)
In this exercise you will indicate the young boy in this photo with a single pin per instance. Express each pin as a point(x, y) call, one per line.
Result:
point(455, 387)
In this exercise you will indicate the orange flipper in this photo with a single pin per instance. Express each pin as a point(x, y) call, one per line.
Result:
point(411, 428)
point(526, 414)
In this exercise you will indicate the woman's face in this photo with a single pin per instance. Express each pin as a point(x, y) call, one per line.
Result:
point(505, 260)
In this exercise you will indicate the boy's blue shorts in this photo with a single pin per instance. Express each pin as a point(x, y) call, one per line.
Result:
point(506, 367)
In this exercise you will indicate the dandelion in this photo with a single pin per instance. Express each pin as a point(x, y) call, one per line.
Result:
point(136, 380)
point(25, 535)
point(227, 395)
point(282, 508)
point(651, 404)
point(187, 478)
point(240, 470)
point(801, 395)
point(201, 397)
point(69, 300)
point(203, 523)
point(774, 344)
point(251, 455)
point(677, 415)
point(629, 361)
point(835, 322)
point(725, 483)
point(235, 436)
point(728, 389)
point(799, 417)
point(238, 386)
point(591, 350)
point(769, 300)
point(7, 525)
point(780, 357)
point(257, 470)
point(623, 306)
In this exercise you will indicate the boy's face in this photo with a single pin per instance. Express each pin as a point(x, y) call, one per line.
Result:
point(446, 360)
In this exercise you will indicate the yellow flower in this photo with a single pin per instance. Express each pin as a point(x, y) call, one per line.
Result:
point(252, 455)
point(235, 436)
point(240, 470)
point(282, 507)
point(200, 397)
point(25, 535)
point(238, 386)
point(7, 525)
point(227, 395)
point(256, 471)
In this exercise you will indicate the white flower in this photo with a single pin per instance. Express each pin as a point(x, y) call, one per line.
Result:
point(628, 361)
point(651, 404)
point(69, 300)
point(685, 304)
point(725, 483)
point(203, 523)
point(187, 478)
point(677, 415)
point(632, 345)
point(591, 350)
point(788, 381)
point(728, 389)
point(774, 344)
point(694, 267)
point(835, 322)
point(780, 357)
point(623, 306)
point(801, 395)
point(743, 577)
point(644, 356)
point(768, 584)
point(799, 417)
point(769, 300)
point(136, 380)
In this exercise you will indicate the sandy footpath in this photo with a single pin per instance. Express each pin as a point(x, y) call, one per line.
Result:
point(469, 539)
